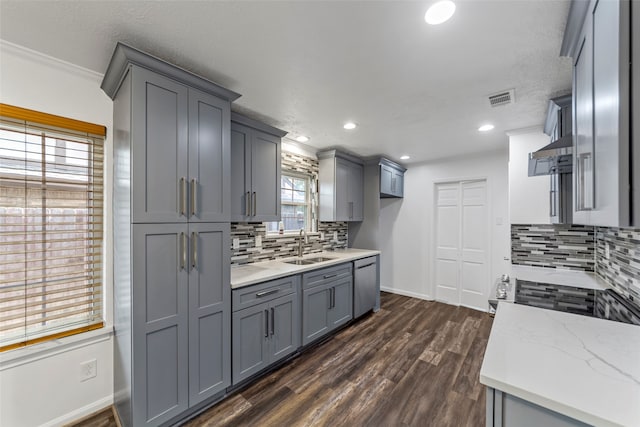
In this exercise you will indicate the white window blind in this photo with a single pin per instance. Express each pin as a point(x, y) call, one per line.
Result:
point(51, 216)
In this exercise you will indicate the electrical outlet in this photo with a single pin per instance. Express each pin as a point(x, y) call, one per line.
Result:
point(335, 236)
point(236, 243)
point(258, 241)
point(607, 251)
point(88, 369)
point(322, 235)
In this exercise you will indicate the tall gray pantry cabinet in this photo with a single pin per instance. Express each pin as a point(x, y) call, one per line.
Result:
point(172, 299)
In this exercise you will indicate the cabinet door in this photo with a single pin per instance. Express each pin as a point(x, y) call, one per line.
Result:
point(240, 172)
point(342, 188)
point(265, 177)
point(315, 313)
point(159, 147)
point(386, 178)
point(356, 192)
point(209, 311)
point(342, 304)
point(250, 341)
point(209, 157)
point(160, 323)
point(285, 326)
point(583, 160)
point(398, 183)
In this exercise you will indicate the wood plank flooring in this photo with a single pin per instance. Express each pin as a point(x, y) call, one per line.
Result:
point(414, 363)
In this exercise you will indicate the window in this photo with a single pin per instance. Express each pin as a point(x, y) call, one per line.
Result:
point(295, 203)
point(51, 208)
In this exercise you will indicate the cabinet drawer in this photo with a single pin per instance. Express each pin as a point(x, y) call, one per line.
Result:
point(263, 292)
point(325, 275)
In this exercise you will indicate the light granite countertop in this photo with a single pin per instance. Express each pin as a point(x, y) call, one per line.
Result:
point(583, 367)
point(555, 276)
point(250, 274)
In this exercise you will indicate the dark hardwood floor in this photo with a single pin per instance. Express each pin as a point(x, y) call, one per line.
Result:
point(414, 363)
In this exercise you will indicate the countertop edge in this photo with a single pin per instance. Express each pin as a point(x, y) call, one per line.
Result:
point(546, 403)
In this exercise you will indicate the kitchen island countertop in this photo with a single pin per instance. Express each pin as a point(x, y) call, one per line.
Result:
point(582, 367)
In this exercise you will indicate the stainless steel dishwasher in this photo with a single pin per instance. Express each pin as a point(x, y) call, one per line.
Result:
point(366, 285)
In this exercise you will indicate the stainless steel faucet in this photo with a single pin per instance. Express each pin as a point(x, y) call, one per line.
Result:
point(302, 233)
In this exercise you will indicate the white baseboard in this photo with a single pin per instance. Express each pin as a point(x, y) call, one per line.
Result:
point(80, 413)
point(406, 293)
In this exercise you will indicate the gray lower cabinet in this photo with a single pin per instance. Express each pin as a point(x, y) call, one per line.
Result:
point(506, 410)
point(255, 170)
point(180, 335)
point(327, 301)
point(266, 325)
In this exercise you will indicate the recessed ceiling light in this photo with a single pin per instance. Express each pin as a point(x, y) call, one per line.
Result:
point(302, 138)
point(485, 128)
point(350, 126)
point(440, 12)
point(405, 157)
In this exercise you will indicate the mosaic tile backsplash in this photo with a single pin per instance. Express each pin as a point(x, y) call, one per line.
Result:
point(282, 246)
point(570, 247)
point(621, 268)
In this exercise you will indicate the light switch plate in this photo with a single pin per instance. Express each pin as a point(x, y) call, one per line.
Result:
point(258, 241)
point(322, 235)
point(236, 243)
point(607, 251)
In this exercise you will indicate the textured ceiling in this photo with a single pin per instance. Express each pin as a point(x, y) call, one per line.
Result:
point(309, 66)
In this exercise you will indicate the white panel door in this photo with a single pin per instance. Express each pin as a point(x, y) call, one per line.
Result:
point(461, 275)
point(447, 242)
point(474, 244)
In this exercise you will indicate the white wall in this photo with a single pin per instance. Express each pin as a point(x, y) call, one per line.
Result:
point(40, 385)
point(528, 196)
point(406, 225)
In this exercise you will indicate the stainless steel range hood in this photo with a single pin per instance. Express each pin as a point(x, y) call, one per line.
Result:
point(556, 157)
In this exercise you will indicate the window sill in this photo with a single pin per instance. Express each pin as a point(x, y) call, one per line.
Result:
point(23, 355)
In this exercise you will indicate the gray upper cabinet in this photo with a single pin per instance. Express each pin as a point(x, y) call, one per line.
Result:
point(266, 325)
point(391, 179)
point(255, 170)
point(599, 32)
point(327, 301)
point(172, 301)
point(341, 178)
point(181, 155)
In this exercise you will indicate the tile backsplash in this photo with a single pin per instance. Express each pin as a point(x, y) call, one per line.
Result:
point(282, 246)
point(562, 246)
point(618, 260)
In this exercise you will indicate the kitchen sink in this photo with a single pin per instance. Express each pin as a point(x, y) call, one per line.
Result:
point(307, 261)
point(319, 259)
point(300, 261)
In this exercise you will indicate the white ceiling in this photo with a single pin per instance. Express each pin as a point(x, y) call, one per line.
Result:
point(309, 66)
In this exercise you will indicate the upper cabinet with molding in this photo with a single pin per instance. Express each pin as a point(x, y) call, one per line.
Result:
point(391, 179)
point(599, 38)
point(341, 178)
point(255, 170)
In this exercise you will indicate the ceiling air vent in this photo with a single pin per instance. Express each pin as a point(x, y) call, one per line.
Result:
point(502, 98)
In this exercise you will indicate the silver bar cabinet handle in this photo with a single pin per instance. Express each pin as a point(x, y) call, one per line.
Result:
point(194, 196)
point(266, 323)
point(183, 195)
point(183, 252)
point(194, 250)
point(247, 204)
point(264, 293)
point(254, 204)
